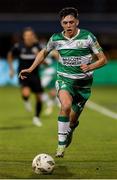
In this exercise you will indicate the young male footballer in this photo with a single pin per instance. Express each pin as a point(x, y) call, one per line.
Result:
point(74, 72)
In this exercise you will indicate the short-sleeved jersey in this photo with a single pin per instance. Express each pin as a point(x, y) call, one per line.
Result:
point(26, 55)
point(73, 52)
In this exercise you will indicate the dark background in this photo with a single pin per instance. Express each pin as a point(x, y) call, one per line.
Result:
point(98, 16)
point(49, 6)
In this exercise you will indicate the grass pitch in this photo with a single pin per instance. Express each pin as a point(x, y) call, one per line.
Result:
point(92, 155)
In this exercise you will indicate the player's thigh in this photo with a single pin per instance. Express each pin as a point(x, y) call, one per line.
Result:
point(25, 87)
point(65, 97)
point(79, 103)
point(35, 85)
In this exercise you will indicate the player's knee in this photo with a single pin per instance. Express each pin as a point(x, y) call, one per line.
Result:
point(25, 92)
point(66, 107)
point(38, 98)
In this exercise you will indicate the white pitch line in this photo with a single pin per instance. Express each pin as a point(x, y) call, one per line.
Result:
point(101, 109)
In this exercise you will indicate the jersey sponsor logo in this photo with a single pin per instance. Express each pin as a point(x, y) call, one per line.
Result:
point(27, 56)
point(71, 61)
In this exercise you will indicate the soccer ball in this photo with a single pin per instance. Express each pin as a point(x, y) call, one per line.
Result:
point(43, 164)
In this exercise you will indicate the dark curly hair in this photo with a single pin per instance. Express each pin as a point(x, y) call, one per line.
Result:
point(68, 11)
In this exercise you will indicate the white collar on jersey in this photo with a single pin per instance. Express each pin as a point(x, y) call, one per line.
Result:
point(73, 36)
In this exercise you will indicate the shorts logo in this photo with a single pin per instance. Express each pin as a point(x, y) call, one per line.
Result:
point(63, 86)
point(57, 86)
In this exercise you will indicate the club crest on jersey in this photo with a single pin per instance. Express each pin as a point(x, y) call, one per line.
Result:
point(23, 50)
point(79, 44)
point(35, 50)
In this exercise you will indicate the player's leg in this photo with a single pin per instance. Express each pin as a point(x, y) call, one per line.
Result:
point(63, 120)
point(74, 122)
point(25, 91)
point(50, 101)
point(77, 107)
point(36, 88)
point(38, 108)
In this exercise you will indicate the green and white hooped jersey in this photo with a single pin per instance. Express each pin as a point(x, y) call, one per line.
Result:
point(73, 52)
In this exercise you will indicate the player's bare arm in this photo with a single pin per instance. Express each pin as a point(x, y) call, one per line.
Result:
point(10, 60)
point(39, 59)
point(55, 54)
point(101, 61)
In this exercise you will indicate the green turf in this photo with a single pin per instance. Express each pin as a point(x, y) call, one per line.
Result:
point(93, 153)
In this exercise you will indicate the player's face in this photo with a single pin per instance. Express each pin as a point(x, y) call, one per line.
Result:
point(69, 24)
point(29, 37)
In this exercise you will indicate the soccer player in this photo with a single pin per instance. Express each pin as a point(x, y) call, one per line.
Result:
point(26, 52)
point(74, 72)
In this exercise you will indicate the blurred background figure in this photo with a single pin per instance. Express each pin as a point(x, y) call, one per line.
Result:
point(48, 79)
point(26, 51)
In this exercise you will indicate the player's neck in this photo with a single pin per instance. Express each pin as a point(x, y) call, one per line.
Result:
point(70, 36)
point(28, 43)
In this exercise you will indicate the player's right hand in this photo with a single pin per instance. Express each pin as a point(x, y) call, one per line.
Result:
point(24, 73)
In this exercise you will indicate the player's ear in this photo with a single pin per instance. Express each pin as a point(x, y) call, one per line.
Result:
point(61, 23)
point(77, 22)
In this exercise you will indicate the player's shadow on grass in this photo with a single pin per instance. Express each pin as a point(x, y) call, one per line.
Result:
point(7, 128)
point(60, 172)
point(23, 123)
point(7, 176)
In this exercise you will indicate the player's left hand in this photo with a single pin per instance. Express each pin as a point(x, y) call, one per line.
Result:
point(24, 73)
point(84, 67)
